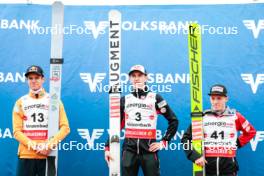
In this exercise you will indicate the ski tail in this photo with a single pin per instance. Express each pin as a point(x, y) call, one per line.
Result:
point(195, 62)
point(56, 61)
point(114, 95)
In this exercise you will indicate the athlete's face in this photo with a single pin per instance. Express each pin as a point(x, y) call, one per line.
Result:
point(138, 79)
point(218, 102)
point(35, 81)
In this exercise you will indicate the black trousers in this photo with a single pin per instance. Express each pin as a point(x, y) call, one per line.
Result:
point(36, 167)
point(31, 167)
point(131, 162)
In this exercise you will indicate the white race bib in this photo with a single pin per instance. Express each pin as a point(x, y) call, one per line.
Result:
point(220, 135)
point(35, 124)
point(140, 116)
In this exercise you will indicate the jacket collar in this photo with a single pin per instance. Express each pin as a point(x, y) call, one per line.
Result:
point(37, 94)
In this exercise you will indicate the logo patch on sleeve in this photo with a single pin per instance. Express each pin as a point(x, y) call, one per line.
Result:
point(162, 104)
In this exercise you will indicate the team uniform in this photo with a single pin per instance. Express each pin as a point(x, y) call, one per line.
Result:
point(139, 113)
point(30, 128)
point(221, 141)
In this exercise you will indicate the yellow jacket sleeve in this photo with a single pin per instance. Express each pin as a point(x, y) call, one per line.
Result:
point(18, 116)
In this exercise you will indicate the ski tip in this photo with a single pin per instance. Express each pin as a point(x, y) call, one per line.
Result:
point(194, 27)
point(57, 3)
point(114, 13)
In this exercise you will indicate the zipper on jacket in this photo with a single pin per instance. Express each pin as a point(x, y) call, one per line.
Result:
point(137, 146)
point(217, 166)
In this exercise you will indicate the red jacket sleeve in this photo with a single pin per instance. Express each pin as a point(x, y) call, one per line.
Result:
point(248, 130)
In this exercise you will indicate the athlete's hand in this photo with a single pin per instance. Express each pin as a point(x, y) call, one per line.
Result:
point(42, 149)
point(155, 146)
point(44, 152)
point(201, 161)
point(108, 157)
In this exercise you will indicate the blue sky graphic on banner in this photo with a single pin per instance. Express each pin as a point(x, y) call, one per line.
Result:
point(154, 36)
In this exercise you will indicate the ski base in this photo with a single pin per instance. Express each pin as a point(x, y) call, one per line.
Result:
point(195, 61)
point(114, 95)
point(55, 83)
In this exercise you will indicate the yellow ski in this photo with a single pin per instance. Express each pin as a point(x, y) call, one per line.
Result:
point(195, 62)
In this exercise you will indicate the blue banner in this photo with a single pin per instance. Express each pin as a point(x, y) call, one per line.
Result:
point(154, 36)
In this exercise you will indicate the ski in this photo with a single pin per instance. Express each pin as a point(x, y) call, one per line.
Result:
point(56, 61)
point(114, 18)
point(195, 63)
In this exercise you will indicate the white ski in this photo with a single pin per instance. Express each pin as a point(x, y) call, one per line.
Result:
point(56, 61)
point(114, 95)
